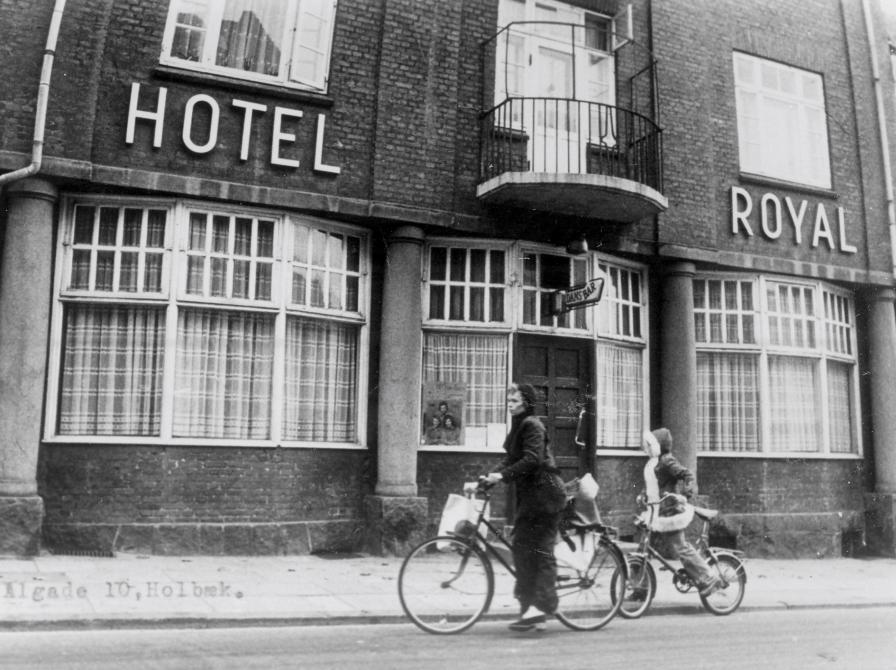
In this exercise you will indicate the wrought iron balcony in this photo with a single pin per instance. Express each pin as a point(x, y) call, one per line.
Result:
point(570, 155)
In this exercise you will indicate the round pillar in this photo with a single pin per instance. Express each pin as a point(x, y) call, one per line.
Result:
point(400, 365)
point(679, 362)
point(26, 276)
point(882, 369)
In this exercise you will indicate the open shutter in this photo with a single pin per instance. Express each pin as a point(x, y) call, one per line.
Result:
point(314, 37)
point(622, 28)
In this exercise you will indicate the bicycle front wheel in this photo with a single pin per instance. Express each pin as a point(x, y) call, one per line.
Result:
point(640, 588)
point(445, 585)
point(591, 596)
point(734, 579)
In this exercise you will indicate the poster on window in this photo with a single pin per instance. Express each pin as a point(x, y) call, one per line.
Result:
point(443, 409)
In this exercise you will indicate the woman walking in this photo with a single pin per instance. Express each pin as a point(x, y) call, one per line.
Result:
point(540, 498)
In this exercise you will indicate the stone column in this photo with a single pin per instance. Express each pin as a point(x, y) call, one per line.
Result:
point(396, 516)
point(880, 506)
point(678, 381)
point(26, 281)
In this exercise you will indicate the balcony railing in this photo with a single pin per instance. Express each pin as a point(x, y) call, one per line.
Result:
point(564, 136)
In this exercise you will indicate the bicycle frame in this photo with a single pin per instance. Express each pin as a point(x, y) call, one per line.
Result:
point(493, 552)
point(681, 579)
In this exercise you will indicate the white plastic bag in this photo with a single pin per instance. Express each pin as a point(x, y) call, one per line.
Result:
point(460, 512)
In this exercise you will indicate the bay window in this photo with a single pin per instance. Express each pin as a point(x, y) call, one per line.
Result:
point(776, 375)
point(181, 322)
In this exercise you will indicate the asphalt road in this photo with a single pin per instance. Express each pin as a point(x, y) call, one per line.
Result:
point(795, 639)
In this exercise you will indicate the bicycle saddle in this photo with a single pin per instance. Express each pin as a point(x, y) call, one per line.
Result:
point(705, 513)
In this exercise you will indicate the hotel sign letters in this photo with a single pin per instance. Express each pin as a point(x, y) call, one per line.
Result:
point(249, 112)
point(776, 218)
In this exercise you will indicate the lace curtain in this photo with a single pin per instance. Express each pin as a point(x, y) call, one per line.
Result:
point(479, 362)
point(727, 402)
point(223, 375)
point(112, 370)
point(793, 405)
point(320, 400)
point(620, 396)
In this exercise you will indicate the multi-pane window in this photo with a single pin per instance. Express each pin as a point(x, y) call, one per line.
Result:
point(281, 41)
point(620, 357)
point(467, 284)
point(261, 341)
point(545, 274)
point(230, 256)
point(326, 269)
point(118, 249)
point(723, 312)
point(776, 375)
point(781, 121)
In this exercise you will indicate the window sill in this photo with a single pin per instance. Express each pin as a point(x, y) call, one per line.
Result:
point(130, 441)
point(761, 180)
point(459, 448)
point(236, 84)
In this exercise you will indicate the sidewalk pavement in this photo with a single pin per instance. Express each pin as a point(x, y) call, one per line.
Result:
point(131, 591)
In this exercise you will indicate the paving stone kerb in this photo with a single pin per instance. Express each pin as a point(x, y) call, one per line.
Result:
point(137, 591)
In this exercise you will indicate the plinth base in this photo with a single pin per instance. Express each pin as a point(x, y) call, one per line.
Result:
point(880, 523)
point(395, 524)
point(20, 525)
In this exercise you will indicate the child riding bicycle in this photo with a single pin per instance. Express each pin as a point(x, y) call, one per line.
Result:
point(668, 512)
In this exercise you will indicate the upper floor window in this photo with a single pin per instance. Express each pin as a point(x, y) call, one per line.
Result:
point(781, 126)
point(277, 41)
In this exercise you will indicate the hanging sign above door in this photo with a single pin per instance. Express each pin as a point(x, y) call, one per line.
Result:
point(575, 297)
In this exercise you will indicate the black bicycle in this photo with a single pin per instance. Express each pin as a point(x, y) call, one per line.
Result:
point(447, 582)
point(726, 564)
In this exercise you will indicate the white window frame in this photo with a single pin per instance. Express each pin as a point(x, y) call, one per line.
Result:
point(513, 266)
point(808, 152)
point(175, 298)
point(567, 331)
point(620, 339)
point(292, 17)
point(468, 245)
point(819, 354)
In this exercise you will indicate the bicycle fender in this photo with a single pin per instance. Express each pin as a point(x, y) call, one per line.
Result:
point(614, 549)
point(733, 555)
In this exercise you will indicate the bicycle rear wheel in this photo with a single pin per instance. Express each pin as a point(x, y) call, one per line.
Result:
point(728, 598)
point(591, 597)
point(640, 588)
point(445, 585)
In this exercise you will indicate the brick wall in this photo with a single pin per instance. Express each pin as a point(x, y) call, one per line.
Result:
point(181, 500)
point(694, 42)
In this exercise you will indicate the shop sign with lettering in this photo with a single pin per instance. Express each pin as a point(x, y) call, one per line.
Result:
point(776, 218)
point(574, 297)
point(249, 111)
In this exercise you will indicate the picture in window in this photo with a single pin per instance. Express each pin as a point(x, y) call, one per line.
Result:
point(443, 407)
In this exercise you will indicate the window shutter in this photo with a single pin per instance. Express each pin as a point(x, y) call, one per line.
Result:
point(313, 39)
point(623, 32)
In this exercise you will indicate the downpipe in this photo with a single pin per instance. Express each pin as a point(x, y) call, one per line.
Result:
point(43, 96)
point(882, 124)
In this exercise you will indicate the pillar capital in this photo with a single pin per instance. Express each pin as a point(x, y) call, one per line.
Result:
point(408, 235)
point(882, 294)
point(680, 269)
point(34, 188)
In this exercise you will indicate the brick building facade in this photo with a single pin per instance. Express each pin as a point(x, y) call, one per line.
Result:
point(268, 247)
